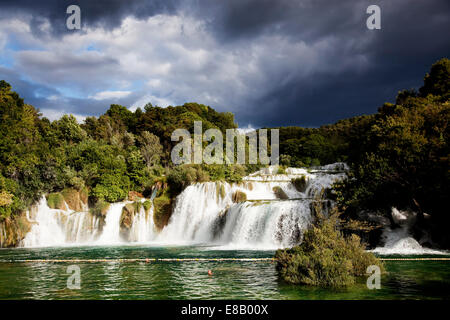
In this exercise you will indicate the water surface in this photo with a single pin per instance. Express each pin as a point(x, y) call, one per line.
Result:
point(190, 280)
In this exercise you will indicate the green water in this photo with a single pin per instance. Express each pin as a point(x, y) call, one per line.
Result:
point(190, 280)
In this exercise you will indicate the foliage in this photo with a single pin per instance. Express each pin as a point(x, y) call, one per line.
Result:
point(55, 201)
point(112, 188)
point(151, 149)
point(325, 257)
point(147, 205)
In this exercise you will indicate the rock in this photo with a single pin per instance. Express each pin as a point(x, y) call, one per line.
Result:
point(300, 183)
point(73, 199)
point(126, 220)
point(403, 217)
point(239, 196)
point(100, 208)
point(376, 218)
point(13, 230)
point(279, 193)
point(162, 211)
point(134, 195)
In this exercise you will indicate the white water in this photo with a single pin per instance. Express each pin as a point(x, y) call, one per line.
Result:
point(111, 230)
point(203, 213)
point(399, 240)
point(53, 227)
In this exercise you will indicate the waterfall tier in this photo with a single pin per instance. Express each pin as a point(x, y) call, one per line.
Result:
point(203, 213)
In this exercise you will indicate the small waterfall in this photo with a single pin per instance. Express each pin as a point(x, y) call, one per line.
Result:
point(265, 225)
point(111, 230)
point(399, 240)
point(143, 228)
point(46, 230)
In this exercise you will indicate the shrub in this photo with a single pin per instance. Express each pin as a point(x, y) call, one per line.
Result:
point(147, 205)
point(281, 170)
point(56, 201)
point(112, 188)
point(325, 257)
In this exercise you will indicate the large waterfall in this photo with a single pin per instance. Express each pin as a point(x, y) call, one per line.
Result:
point(204, 213)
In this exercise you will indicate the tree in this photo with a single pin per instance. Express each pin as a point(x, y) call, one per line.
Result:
point(437, 82)
point(151, 148)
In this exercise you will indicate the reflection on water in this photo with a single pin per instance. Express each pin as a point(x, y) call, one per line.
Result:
point(190, 280)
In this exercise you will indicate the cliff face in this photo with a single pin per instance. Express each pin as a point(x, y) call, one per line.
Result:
point(13, 230)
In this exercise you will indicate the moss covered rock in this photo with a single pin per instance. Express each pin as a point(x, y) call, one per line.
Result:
point(100, 208)
point(220, 190)
point(162, 211)
point(73, 199)
point(239, 196)
point(300, 183)
point(279, 193)
point(56, 201)
point(13, 230)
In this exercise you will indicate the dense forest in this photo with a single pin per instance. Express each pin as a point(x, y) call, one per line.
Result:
point(398, 156)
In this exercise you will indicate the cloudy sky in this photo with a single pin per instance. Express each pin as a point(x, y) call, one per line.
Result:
point(283, 62)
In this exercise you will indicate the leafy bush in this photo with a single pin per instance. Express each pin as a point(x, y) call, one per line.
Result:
point(55, 201)
point(112, 188)
point(325, 257)
point(147, 205)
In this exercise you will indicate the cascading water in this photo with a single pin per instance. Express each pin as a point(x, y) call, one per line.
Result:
point(54, 227)
point(143, 228)
point(203, 213)
point(206, 213)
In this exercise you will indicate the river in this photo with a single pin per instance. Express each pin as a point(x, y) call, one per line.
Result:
point(190, 280)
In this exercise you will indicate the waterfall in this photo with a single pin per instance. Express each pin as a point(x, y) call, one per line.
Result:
point(111, 230)
point(204, 213)
point(399, 240)
point(143, 228)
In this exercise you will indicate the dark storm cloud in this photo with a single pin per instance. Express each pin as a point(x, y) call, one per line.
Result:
point(359, 69)
point(105, 13)
point(413, 36)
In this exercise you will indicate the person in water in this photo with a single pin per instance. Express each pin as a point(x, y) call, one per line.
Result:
point(210, 273)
